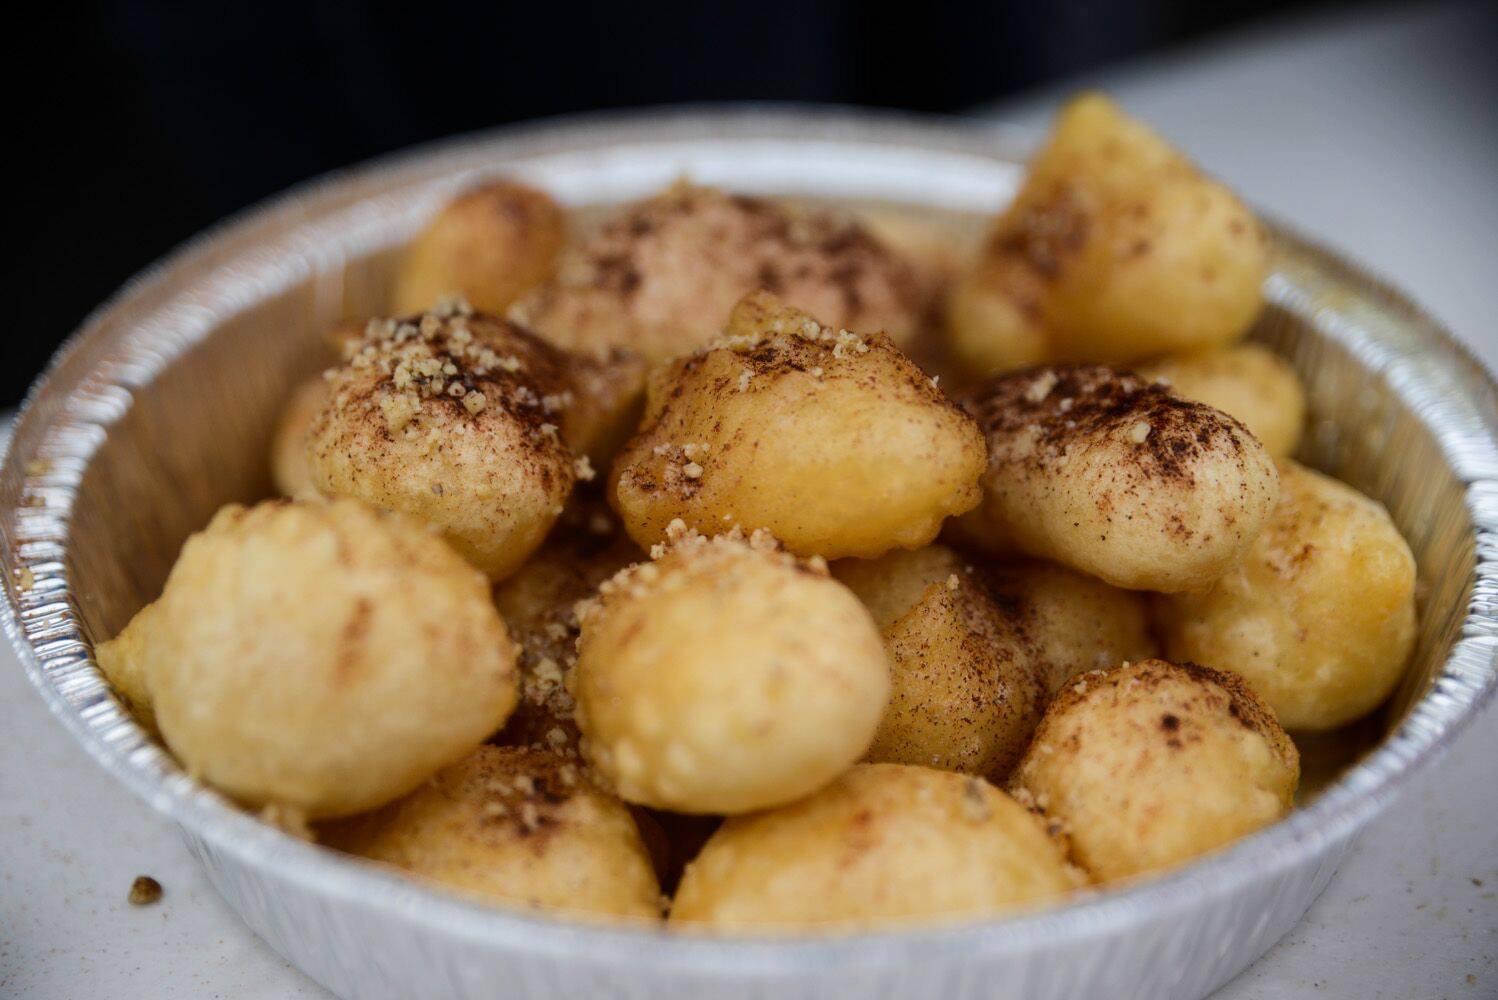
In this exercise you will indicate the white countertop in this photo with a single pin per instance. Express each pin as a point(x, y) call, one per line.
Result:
point(1373, 133)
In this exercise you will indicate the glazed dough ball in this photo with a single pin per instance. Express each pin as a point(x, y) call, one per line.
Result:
point(1113, 476)
point(489, 245)
point(289, 466)
point(885, 845)
point(1319, 616)
point(836, 443)
point(965, 686)
point(726, 676)
point(517, 827)
point(1151, 764)
point(1248, 382)
point(539, 603)
point(659, 276)
point(456, 419)
point(320, 657)
point(1078, 623)
point(1116, 249)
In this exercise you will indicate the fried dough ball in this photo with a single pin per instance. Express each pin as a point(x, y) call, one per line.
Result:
point(1151, 764)
point(1247, 381)
point(1113, 476)
point(965, 687)
point(659, 276)
point(124, 661)
point(605, 406)
point(1318, 617)
point(323, 658)
point(456, 419)
point(1077, 622)
point(885, 845)
point(490, 245)
point(836, 443)
point(517, 827)
point(538, 604)
point(1116, 249)
point(289, 466)
point(726, 676)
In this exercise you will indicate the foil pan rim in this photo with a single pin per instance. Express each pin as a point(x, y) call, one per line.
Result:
point(114, 356)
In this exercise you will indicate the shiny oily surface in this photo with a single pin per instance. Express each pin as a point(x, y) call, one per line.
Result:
point(163, 406)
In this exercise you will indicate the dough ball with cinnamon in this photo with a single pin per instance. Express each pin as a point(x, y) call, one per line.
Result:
point(726, 676)
point(290, 467)
point(1318, 617)
point(966, 693)
point(324, 658)
point(1077, 622)
point(489, 245)
point(886, 845)
point(832, 440)
point(1113, 476)
point(514, 827)
point(1116, 249)
point(455, 419)
point(1151, 764)
point(658, 277)
point(1246, 381)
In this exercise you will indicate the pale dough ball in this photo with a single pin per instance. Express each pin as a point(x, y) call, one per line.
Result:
point(1077, 622)
point(1248, 382)
point(289, 465)
point(835, 442)
point(886, 845)
point(1151, 764)
point(1113, 476)
point(965, 691)
point(321, 658)
point(1116, 249)
point(516, 827)
point(1319, 616)
point(726, 676)
point(488, 245)
point(660, 275)
point(455, 419)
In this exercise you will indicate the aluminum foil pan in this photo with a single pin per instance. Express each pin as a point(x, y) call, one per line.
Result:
point(159, 409)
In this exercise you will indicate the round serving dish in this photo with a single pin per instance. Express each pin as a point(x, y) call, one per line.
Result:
point(160, 407)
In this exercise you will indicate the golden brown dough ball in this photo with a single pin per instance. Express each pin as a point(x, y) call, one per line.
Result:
point(965, 686)
point(489, 245)
point(1113, 476)
point(1319, 616)
point(323, 658)
point(1151, 764)
point(538, 603)
point(1077, 622)
point(517, 827)
point(726, 676)
point(455, 419)
point(1246, 381)
point(290, 469)
point(835, 442)
point(1116, 249)
point(885, 845)
point(659, 276)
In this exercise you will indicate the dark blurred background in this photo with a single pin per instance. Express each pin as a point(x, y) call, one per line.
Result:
point(137, 123)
